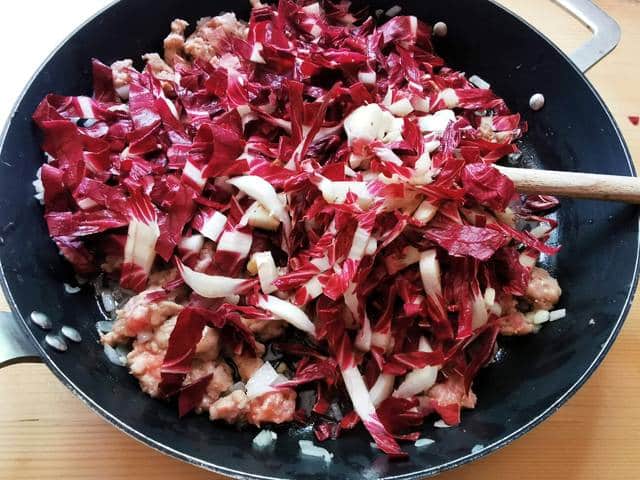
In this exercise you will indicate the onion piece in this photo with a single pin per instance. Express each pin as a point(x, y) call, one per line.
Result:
point(382, 389)
point(308, 448)
point(209, 286)
point(430, 272)
point(258, 217)
point(263, 380)
point(336, 192)
point(437, 122)
point(262, 191)
point(420, 379)
point(267, 270)
point(288, 312)
point(365, 409)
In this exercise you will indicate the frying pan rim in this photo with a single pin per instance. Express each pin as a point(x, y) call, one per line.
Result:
point(46, 356)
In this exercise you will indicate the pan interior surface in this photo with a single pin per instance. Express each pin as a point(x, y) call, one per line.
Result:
point(535, 374)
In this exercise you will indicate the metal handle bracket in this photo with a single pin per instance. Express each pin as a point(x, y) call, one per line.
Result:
point(606, 32)
point(15, 346)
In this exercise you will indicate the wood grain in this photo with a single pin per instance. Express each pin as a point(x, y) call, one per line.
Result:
point(46, 433)
point(576, 185)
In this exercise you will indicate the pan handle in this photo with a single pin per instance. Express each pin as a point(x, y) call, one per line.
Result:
point(15, 346)
point(606, 32)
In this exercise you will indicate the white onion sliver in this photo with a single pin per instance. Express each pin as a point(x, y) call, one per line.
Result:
point(267, 271)
point(209, 286)
point(558, 314)
point(262, 381)
point(262, 191)
point(264, 439)
point(441, 424)
point(420, 379)
point(288, 312)
point(70, 289)
point(437, 122)
point(382, 389)
point(430, 272)
point(479, 82)
point(308, 448)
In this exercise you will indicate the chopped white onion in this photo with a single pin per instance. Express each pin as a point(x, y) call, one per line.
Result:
point(209, 286)
point(262, 191)
point(489, 296)
point(430, 272)
point(308, 448)
point(368, 78)
point(370, 122)
point(264, 439)
point(288, 312)
point(425, 212)
point(71, 290)
point(382, 389)
point(559, 314)
point(441, 424)
point(393, 11)
point(336, 192)
point(401, 108)
point(258, 217)
point(267, 270)
point(479, 82)
point(437, 122)
point(263, 381)
point(539, 317)
point(420, 379)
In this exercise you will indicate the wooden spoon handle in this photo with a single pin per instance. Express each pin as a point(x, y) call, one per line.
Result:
point(576, 185)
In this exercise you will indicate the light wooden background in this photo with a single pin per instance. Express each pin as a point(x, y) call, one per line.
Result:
point(46, 433)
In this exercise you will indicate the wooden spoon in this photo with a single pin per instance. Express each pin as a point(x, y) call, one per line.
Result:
point(576, 185)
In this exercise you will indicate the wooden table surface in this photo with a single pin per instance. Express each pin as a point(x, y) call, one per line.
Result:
point(46, 433)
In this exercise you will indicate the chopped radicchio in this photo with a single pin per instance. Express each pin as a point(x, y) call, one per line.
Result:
point(307, 170)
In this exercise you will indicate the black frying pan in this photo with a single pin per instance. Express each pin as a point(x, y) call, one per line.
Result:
point(597, 267)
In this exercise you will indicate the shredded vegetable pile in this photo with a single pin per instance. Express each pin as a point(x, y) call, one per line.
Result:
point(305, 211)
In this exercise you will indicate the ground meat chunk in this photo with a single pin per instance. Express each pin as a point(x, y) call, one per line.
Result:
point(516, 323)
point(247, 365)
point(221, 380)
point(160, 69)
point(209, 347)
point(121, 71)
point(146, 357)
point(543, 290)
point(174, 43)
point(145, 365)
point(139, 315)
point(212, 35)
point(265, 330)
point(231, 408)
point(273, 407)
point(452, 391)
